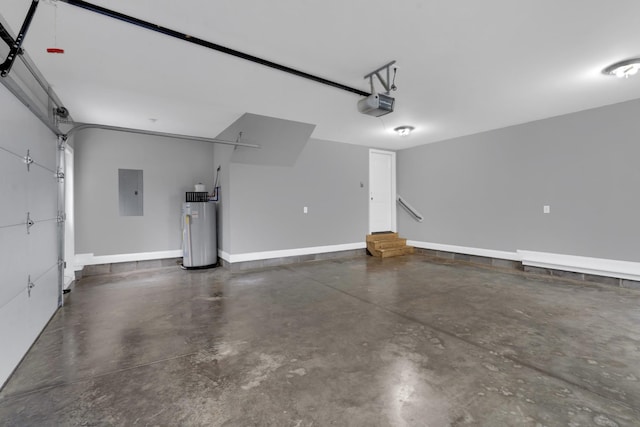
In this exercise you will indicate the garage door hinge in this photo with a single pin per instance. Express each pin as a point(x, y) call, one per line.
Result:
point(30, 285)
point(28, 160)
point(59, 175)
point(29, 222)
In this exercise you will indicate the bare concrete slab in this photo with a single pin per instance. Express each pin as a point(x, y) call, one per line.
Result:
point(363, 341)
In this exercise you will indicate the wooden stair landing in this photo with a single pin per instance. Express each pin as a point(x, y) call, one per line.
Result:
point(386, 245)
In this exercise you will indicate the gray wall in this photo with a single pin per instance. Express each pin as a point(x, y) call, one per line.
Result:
point(171, 167)
point(222, 157)
point(281, 142)
point(488, 190)
point(266, 210)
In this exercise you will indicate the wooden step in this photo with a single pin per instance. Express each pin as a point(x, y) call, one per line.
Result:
point(392, 252)
point(387, 244)
point(381, 236)
point(388, 253)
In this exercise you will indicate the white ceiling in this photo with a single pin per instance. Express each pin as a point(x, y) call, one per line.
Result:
point(466, 66)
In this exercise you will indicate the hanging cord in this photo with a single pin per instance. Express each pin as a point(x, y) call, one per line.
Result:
point(23, 159)
point(55, 48)
point(33, 222)
point(14, 225)
point(44, 167)
point(55, 24)
point(11, 152)
point(384, 126)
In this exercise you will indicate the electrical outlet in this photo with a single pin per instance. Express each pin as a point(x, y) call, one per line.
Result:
point(546, 209)
point(305, 210)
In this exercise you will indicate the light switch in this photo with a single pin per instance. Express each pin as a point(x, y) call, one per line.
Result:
point(305, 210)
point(546, 209)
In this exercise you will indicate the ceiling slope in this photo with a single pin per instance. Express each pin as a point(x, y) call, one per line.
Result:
point(281, 141)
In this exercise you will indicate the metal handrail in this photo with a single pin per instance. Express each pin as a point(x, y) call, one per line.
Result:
point(410, 209)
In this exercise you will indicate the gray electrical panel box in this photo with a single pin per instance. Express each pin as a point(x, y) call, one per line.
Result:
point(130, 192)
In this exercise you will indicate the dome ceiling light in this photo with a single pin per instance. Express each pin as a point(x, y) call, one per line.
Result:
point(624, 69)
point(404, 130)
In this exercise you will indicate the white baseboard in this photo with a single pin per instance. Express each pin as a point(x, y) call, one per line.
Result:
point(224, 255)
point(490, 253)
point(255, 256)
point(80, 260)
point(579, 264)
point(67, 281)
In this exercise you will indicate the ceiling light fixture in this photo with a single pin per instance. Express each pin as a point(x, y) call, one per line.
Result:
point(625, 68)
point(404, 130)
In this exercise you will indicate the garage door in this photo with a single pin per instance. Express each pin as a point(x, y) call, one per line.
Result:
point(28, 230)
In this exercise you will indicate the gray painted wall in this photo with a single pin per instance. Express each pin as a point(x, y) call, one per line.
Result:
point(222, 157)
point(266, 210)
point(280, 141)
point(488, 190)
point(171, 167)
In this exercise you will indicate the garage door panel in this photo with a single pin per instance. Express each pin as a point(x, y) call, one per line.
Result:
point(42, 194)
point(22, 254)
point(13, 262)
point(21, 130)
point(14, 318)
point(42, 246)
point(43, 301)
point(13, 190)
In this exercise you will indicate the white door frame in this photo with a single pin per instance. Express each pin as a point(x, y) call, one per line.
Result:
point(394, 224)
point(69, 225)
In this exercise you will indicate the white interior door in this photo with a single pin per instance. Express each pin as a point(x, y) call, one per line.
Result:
point(69, 224)
point(382, 191)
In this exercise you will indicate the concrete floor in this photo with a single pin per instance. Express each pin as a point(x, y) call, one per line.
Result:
point(353, 342)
